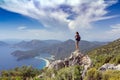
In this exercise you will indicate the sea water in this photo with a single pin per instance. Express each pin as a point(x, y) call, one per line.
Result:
point(8, 61)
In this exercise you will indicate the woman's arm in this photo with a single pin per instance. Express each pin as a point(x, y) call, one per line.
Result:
point(75, 36)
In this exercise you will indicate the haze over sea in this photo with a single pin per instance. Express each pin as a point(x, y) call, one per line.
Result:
point(8, 61)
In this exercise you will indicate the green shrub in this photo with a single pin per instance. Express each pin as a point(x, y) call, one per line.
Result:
point(93, 74)
point(111, 75)
point(70, 73)
point(21, 73)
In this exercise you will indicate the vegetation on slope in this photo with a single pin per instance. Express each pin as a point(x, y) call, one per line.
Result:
point(106, 54)
point(28, 73)
point(94, 74)
point(23, 73)
point(67, 73)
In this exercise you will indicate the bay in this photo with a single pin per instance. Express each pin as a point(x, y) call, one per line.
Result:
point(8, 61)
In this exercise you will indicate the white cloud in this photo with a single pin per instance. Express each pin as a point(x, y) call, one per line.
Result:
point(22, 28)
point(53, 17)
point(107, 35)
point(115, 31)
point(88, 13)
point(116, 26)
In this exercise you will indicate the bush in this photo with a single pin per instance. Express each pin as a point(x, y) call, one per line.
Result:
point(70, 73)
point(22, 73)
point(93, 74)
point(111, 75)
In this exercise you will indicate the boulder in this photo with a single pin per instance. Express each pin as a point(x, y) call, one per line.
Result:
point(109, 66)
point(58, 64)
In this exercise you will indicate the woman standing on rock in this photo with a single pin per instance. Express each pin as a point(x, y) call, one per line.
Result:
point(77, 38)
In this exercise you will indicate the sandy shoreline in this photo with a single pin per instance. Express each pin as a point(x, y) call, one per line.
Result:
point(47, 61)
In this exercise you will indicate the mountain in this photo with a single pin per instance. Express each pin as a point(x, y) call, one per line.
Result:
point(63, 50)
point(101, 43)
point(87, 45)
point(60, 49)
point(3, 43)
point(34, 44)
point(109, 53)
point(52, 41)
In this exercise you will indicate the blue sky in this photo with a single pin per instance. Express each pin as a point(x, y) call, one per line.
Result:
point(95, 20)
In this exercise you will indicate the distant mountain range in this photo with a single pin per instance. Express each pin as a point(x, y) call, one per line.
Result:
point(34, 44)
point(3, 43)
point(54, 47)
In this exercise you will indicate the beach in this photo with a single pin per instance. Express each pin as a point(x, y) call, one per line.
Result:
point(47, 61)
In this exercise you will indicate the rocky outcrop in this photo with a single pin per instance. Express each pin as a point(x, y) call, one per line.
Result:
point(76, 58)
point(58, 64)
point(109, 66)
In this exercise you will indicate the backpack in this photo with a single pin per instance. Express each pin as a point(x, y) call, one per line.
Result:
point(78, 38)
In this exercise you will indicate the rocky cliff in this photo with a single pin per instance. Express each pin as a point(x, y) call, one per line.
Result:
point(76, 58)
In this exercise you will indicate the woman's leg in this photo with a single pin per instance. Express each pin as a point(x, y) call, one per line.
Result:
point(77, 45)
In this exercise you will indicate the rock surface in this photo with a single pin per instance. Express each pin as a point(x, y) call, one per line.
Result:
point(76, 58)
point(109, 66)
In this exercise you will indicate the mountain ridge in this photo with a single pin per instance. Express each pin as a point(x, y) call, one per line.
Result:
point(58, 50)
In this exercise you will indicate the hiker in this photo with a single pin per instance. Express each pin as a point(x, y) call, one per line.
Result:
point(77, 38)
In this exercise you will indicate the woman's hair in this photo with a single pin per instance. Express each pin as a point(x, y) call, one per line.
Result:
point(77, 33)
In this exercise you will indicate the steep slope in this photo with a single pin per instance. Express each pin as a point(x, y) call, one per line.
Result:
point(109, 53)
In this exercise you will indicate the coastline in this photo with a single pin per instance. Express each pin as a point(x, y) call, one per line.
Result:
point(46, 60)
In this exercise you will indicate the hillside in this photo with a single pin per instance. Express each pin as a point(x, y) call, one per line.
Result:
point(59, 49)
point(109, 53)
